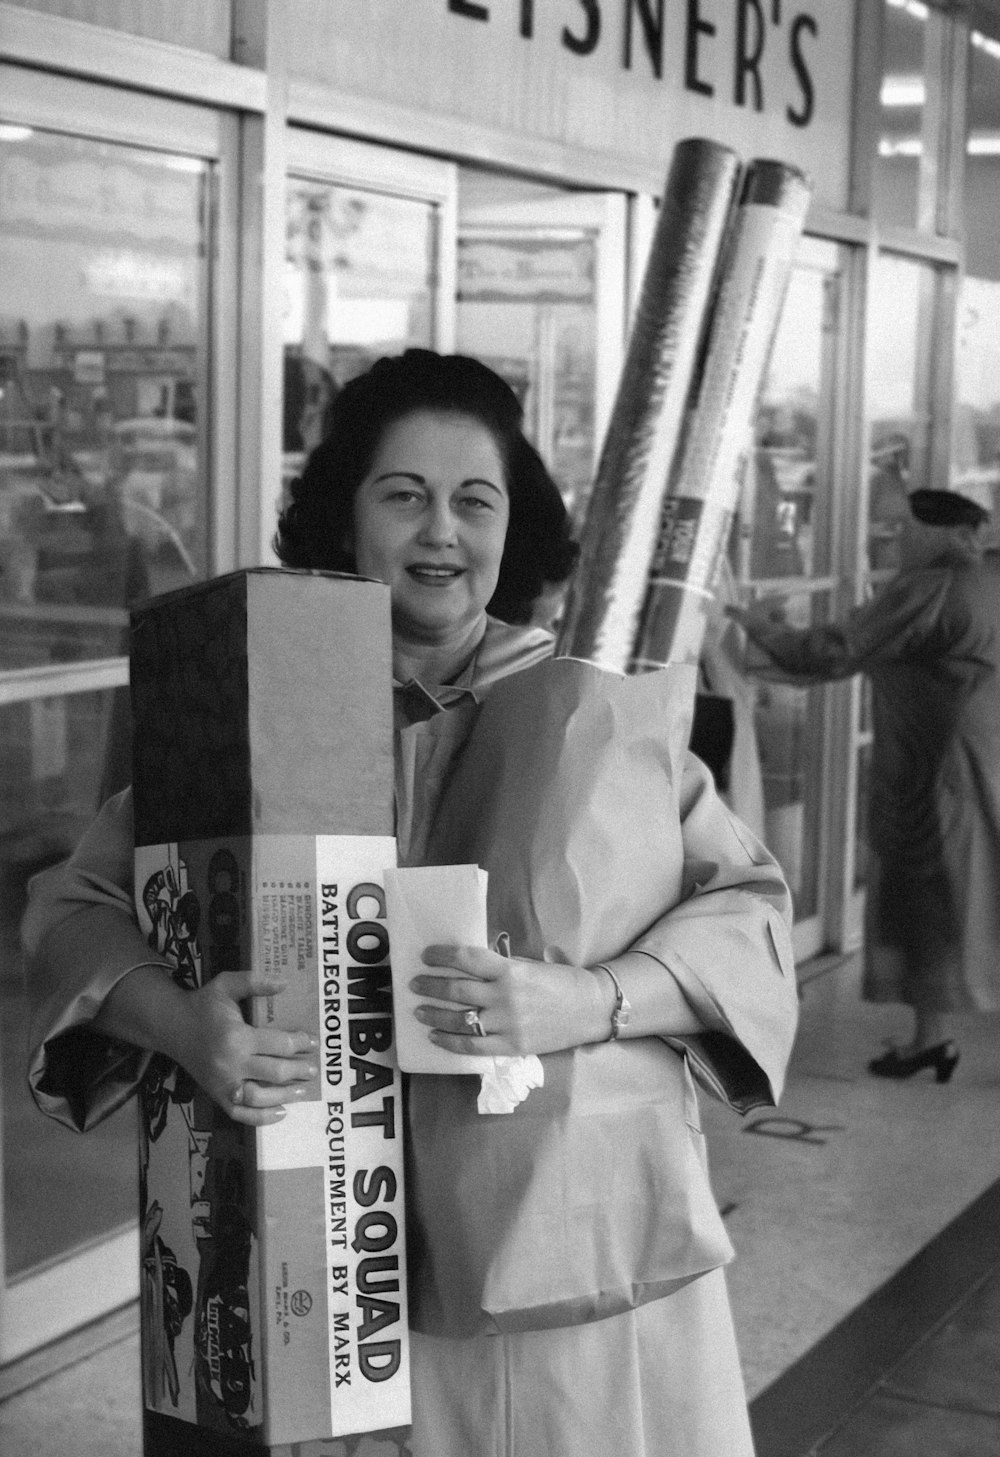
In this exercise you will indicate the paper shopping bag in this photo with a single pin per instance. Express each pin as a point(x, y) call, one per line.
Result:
point(592, 1196)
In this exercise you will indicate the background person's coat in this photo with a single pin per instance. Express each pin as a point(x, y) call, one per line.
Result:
point(930, 644)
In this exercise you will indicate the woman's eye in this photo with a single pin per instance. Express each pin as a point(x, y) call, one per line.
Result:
point(477, 503)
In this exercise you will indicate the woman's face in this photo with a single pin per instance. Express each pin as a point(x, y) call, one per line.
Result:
point(430, 519)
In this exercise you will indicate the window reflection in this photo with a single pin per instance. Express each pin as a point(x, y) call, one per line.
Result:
point(103, 499)
point(785, 506)
point(899, 445)
point(100, 299)
point(781, 542)
point(901, 118)
point(527, 305)
point(359, 284)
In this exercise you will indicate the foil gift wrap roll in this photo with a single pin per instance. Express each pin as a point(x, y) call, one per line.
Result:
point(619, 535)
point(702, 493)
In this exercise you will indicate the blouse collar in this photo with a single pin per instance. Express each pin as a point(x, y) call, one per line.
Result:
point(503, 649)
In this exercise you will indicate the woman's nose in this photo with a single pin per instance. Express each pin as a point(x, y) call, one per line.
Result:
point(438, 527)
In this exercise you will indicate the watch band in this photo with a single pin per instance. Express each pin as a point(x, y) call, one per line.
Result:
point(622, 1013)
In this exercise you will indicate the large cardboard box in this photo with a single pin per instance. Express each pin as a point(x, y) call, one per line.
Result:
point(273, 1260)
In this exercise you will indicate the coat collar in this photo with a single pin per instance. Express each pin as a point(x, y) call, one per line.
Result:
point(503, 649)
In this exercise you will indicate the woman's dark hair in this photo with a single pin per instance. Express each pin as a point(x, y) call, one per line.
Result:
point(314, 529)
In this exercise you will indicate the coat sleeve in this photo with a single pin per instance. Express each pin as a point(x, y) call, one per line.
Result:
point(81, 936)
point(895, 624)
point(728, 945)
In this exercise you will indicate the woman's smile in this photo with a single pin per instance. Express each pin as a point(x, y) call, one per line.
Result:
point(434, 576)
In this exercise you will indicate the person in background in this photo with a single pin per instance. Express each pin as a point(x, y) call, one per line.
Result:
point(929, 643)
point(426, 482)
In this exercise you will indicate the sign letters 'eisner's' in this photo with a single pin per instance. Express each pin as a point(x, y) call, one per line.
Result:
point(646, 32)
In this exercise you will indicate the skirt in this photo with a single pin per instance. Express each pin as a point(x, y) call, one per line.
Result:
point(660, 1381)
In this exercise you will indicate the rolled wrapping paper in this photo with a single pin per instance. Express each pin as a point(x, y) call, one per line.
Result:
point(702, 493)
point(619, 535)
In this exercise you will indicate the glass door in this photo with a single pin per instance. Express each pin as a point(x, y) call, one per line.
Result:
point(904, 448)
point(783, 549)
point(106, 206)
point(369, 270)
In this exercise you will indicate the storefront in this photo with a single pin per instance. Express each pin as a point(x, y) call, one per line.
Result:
point(208, 208)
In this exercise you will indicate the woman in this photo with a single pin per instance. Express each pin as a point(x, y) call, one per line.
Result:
point(929, 643)
point(426, 481)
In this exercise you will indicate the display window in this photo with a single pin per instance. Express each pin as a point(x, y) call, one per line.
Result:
point(369, 259)
point(106, 242)
point(540, 290)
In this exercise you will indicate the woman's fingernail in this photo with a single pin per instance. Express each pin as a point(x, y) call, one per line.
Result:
point(300, 1091)
point(278, 1114)
point(312, 1071)
point(314, 1043)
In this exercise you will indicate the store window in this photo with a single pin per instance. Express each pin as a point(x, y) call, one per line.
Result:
point(104, 316)
point(899, 407)
point(359, 284)
point(541, 299)
point(976, 436)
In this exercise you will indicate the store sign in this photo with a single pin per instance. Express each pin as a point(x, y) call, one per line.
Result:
point(522, 267)
point(622, 77)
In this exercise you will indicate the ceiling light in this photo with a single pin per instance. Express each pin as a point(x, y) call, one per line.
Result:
point(900, 147)
point(986, 43)
point(903, 91)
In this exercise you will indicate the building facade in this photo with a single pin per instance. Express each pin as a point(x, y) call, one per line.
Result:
point(214, 212)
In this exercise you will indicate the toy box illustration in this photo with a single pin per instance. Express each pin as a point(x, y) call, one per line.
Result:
point(273, 1287)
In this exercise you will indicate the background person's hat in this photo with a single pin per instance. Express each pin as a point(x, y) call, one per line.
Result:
point(949, 508)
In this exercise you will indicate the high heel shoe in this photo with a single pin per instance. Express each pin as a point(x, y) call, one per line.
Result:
point(942, 1057)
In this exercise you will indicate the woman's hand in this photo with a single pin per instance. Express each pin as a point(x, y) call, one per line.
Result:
point(251, 1072)
point(524, 1006)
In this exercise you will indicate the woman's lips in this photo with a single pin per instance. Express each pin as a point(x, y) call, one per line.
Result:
point(434, 576)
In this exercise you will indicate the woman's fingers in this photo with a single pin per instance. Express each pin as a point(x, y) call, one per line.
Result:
point(275, 1042)
point(475, 961)
point(261, 1097)
point(477, 1046)
point(476, 964)
point(253, 1117)
point(453, 989)
point(280, 1070)
point(242, 984)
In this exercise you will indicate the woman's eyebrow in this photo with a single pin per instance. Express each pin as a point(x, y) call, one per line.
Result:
point(407, 475)
point(482, 481)
point(419, 480)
